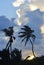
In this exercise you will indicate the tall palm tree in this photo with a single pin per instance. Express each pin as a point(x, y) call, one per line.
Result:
point(27, 34)
point(9, 32)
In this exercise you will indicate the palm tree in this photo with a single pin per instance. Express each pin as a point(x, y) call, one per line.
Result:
point(9, 32)
point(27, 34)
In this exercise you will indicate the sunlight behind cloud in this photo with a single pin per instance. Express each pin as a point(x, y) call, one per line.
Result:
point(18, 12)
point(31, 57)
point(17, 3)
point(39, 4)
point(19, 23)
point(33, 7)
point(42, 29)
point(26, 53)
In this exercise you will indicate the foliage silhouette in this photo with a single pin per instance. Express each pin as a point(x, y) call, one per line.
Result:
point(4, 54)
point(27, 34)
point(14, 61)
point(16, 55)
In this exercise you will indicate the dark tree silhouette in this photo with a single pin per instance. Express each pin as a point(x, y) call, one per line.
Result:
point(9, 32)
point(16, 55)
point(4, 54)
point(27, 34)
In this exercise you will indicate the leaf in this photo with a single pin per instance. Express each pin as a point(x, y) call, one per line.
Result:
point(21, 35)
point(23, 38)
point(14, 38)
point(23, 29)
point(26, 40)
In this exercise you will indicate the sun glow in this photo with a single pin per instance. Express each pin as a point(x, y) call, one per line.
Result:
point(31, 57)
point(19, 23)
point(33, 7)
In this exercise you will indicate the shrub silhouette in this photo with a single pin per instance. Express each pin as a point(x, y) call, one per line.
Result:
point(4, 54)
point(16, 55)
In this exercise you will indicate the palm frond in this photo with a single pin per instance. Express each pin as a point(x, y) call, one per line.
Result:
point(26, 40)
point(27, 27)
point(14, 38)
point(23, 38)
point(23, 29)
point(21, 35)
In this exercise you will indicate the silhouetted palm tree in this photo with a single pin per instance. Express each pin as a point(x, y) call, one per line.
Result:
point(27, 34)
point(9, 32)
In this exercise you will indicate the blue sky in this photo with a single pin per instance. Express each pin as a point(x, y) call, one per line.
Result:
point(26, 12)
point(7, 9)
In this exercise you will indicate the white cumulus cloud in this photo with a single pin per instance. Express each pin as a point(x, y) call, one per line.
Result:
point(17, 3)
point(39, 4)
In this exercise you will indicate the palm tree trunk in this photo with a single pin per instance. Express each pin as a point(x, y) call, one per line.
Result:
point(7, 46)
point(32, 48)
point(10, 46)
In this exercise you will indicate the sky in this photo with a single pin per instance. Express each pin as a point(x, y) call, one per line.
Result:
point(25, 12)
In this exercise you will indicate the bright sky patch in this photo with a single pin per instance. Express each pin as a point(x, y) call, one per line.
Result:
point(42, 29)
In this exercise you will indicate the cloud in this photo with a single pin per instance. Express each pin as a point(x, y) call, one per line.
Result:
point(26, 53)
point(17, 3)
point(39, 48)
point(33, 7)
point(33, 10)
point(3, 41)
point(5, 22)
point(18, 14)
point(4, 38)
point(39, 4)
point(42, 29)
